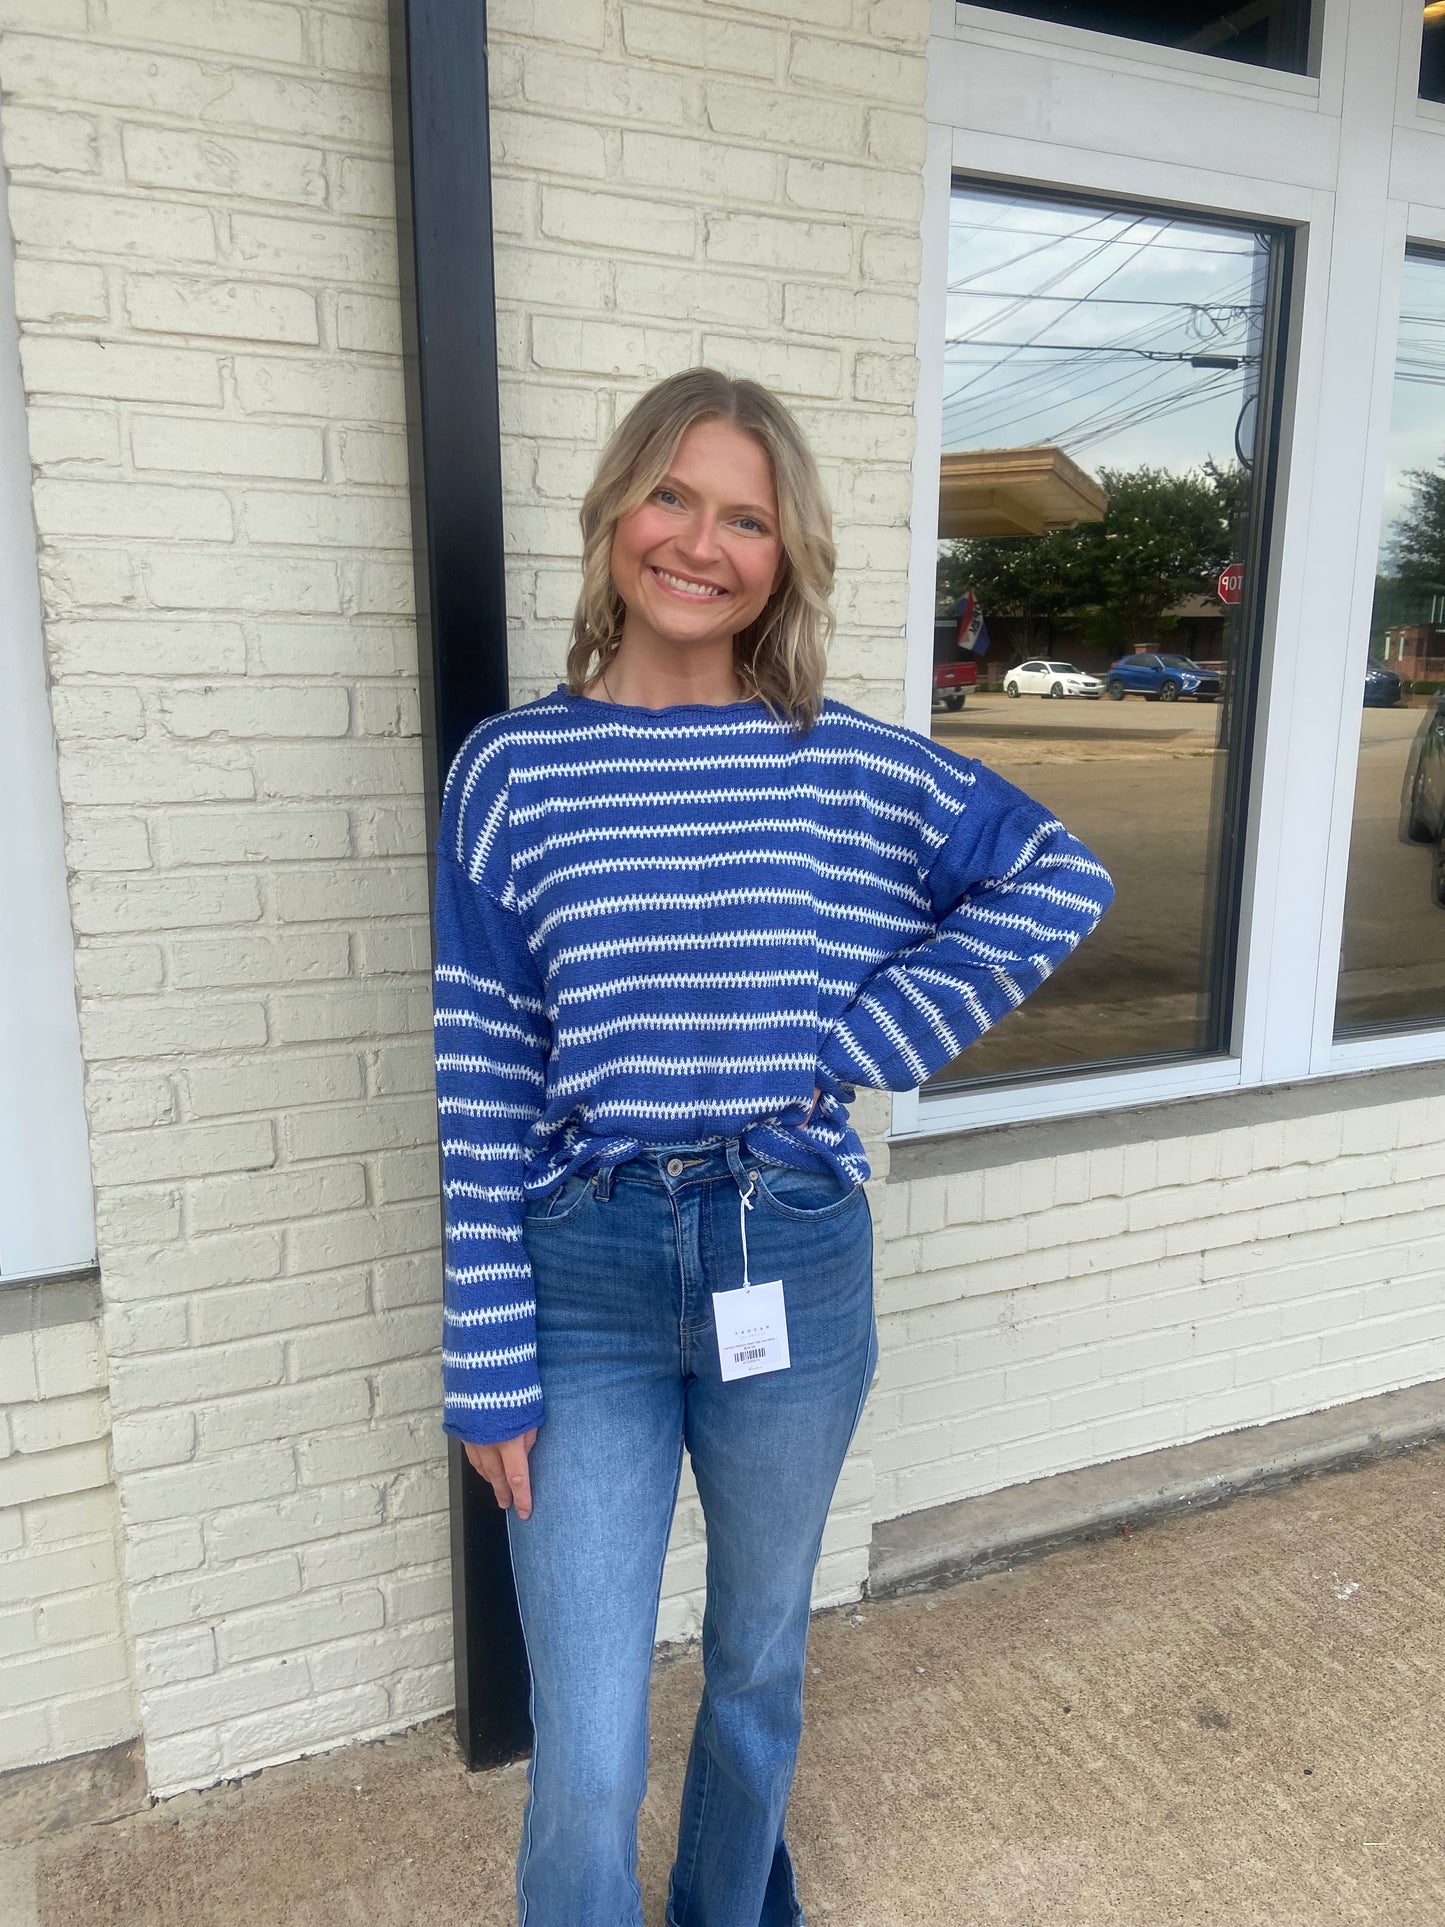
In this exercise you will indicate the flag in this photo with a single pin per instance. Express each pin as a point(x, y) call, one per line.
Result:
point(973, 633)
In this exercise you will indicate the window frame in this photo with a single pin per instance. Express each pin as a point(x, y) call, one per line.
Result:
point(1089, 39)
point(1350, 163)
point(1343, 1053)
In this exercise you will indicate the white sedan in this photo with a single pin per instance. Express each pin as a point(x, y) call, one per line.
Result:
point(1051, 679)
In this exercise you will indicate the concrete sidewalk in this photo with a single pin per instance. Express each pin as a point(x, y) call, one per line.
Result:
point(1232, 1717)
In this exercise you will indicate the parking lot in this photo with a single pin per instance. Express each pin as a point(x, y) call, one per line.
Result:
point(1135, 780)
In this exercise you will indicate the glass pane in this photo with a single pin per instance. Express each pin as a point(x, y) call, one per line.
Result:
point(1266, 33)
point(1432, 53)
point(1093, 637)
point(1392, 962)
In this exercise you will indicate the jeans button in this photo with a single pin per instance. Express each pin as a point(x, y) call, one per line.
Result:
point(674, 1165)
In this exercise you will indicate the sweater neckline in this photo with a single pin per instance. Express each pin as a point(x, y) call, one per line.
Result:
point(587, 704)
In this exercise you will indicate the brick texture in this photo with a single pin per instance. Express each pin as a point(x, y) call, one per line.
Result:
point(206, 288)
point(65, 1683)
point(1039, 1317)
point(208, 309)
point(209, 340)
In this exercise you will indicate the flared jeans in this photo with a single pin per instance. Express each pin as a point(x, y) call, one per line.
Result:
point(626, 1259)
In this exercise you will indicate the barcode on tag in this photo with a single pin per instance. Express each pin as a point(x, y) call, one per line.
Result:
point(752, 1329)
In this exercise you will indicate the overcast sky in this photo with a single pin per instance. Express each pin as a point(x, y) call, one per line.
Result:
point(1046, 301)
point(1417, 433)
point(1046, 298)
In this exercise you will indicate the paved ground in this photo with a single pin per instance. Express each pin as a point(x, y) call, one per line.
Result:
point(1229, 1720)
point(1136, 781)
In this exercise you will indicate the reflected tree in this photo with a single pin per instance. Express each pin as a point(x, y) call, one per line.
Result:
point(1410, 588)
point(1417, 545)
point(1163, 539)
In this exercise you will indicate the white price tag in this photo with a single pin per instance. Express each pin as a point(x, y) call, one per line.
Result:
point(752, 1329)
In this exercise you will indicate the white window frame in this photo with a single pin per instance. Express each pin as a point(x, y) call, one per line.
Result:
point(1354, 163)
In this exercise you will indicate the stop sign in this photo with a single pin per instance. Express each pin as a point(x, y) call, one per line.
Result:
point(1230, 587)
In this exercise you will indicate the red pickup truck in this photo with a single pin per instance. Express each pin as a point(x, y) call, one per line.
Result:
point(954, 674)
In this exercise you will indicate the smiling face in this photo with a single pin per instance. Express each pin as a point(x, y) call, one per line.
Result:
point(696, 562)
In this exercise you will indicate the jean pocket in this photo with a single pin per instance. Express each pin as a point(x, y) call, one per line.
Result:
point(806, 1194)
point(562, 1203)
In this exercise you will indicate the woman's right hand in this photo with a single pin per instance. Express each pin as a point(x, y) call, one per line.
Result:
point(504, 1467)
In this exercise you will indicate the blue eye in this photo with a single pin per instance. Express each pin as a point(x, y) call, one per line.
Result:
point(751, 521)
point(668, 493)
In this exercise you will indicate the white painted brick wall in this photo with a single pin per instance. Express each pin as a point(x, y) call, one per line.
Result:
point(65, 1683)
point(1047, 1315)
point(210, 348)
point(209, 339)
point(208, 315)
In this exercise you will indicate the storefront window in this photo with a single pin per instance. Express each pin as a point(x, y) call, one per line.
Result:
point(1432, 52)
point(1269, 33)
point(1392, 966)
point(1104, 461)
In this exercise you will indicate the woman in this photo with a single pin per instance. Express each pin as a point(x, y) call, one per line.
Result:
point(685, 906)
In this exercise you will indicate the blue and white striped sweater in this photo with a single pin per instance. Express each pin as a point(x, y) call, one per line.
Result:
point(662, 926)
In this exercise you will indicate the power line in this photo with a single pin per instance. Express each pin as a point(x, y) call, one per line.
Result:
point(1200, 357)
point(1194, 396)
point(1077, 303)
point(1011, 308)
point(1143, 332)
point(1052, 241)
point(1041, 385)
point(1049, 385)
point(1248, 241)
point(995, 423)
point(1119, 301)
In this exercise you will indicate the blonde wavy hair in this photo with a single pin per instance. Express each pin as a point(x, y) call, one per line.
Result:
point(782, 656)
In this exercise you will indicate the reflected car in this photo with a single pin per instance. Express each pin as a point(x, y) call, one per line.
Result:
point(1160, 679)
point(1423, 813)
point(1382, 687)
point(951, 683)
point(1056, 679)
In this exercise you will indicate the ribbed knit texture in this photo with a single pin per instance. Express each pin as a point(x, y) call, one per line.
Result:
point(667, 926)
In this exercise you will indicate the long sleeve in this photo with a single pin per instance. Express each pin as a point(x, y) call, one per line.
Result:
point(1012, 893)
point(492, 1039)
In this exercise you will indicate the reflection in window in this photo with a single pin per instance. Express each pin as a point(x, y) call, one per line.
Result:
point(1392, 964)
point(1264, 33)
point(1432, 53)
point(1102, 462)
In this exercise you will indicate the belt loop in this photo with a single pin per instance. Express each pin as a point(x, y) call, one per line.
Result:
point(602, 1181)
point(735, 1165)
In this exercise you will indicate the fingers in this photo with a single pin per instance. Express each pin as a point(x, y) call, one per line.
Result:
point(504, 1467)
point(486, 1460)
point(516, 1477)
point(505, 1471)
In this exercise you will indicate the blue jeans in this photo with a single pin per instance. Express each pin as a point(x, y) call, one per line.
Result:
point(625, 1260)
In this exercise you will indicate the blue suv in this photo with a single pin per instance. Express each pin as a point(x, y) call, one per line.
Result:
point(1160, 679)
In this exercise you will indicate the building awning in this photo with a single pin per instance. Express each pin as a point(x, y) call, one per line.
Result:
point(1014, 491)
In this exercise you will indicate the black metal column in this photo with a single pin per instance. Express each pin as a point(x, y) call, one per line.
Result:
point(444, 222)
